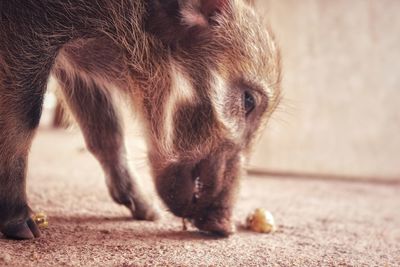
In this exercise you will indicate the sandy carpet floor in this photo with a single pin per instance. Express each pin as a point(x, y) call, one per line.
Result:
point(321, 223)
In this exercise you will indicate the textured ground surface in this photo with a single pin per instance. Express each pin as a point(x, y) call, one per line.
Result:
point(321, 223)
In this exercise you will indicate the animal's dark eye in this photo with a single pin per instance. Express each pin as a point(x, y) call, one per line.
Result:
point(249, 102)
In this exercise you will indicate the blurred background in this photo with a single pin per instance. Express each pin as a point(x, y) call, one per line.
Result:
point(340, 114)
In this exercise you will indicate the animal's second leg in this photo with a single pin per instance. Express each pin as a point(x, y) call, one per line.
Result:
point(94, 111)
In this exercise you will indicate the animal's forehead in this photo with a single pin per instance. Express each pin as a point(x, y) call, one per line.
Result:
point(239, 47)
point(248, 50)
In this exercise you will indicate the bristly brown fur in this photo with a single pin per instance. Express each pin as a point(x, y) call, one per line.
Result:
point(184, 65)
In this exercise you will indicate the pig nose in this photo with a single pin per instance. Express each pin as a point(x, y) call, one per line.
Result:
point(222, 227)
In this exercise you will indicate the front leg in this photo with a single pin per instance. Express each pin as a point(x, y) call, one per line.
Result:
point(20, 110)
point(94, 110)
point(124, 189)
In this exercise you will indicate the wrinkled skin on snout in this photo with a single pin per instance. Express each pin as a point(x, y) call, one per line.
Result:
point(203, 191)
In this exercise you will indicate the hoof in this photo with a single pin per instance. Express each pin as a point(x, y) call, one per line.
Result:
point(148, 214)
point(23, 230)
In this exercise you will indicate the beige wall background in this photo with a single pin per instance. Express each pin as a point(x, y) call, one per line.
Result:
point(341, 109)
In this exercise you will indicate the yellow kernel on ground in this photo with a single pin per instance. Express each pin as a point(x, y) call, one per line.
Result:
point(41, 220)
point(261, 221)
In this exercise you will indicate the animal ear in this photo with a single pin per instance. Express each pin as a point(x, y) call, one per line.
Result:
point(198, 12)
point(174, 20)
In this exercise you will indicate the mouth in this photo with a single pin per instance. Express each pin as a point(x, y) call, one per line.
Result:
point(183, 188)
point(194, 192)
point(198, 185)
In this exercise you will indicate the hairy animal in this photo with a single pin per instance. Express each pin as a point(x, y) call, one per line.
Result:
point(203, 76)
